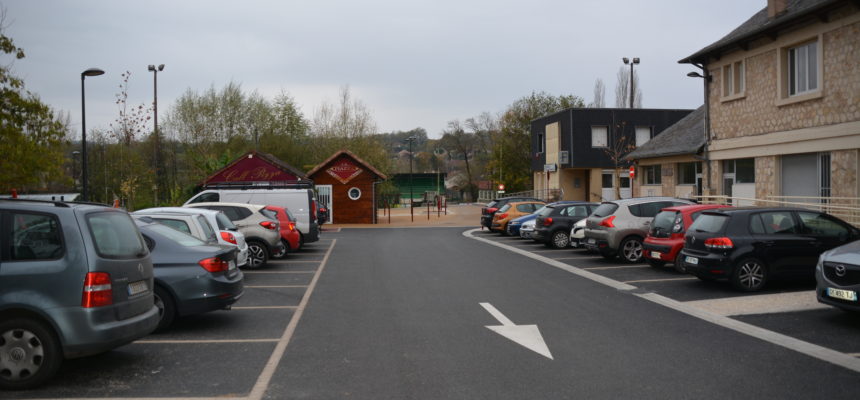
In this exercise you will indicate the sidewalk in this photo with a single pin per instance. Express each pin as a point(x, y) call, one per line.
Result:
point(460, 215)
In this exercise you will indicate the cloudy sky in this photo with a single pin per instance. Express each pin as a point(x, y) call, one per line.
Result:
point(413, 63)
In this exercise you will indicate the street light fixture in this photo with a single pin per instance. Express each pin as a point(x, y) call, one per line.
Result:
point(706, 78)
point(88, 72)
point(411, 195)
point(155, 146)
point(627, 61)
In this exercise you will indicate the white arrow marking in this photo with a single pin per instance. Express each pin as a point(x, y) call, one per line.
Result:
point(527, 336)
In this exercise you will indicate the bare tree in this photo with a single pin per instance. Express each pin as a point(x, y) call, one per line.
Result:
point(599, 94)
point(622, 89)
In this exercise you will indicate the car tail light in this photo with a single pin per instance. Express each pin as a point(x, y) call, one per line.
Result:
point(291, 226)
point(314, 209)
point(97, 290)
point(502, 216)
point(228, 237)
point(719, 243)
point(492, 210)
point(214, 264)
point(547, 221)
point(269, 225)
point(607, 222)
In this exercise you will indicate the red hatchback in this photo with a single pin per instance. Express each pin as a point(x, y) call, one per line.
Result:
point(666, 236)
point(290, 235)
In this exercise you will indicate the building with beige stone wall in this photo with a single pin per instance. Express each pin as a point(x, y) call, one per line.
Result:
point(783, 103)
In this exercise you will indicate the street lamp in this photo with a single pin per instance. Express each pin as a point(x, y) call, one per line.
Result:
point(155, 129)
point(88, 72)
point(706, 78)
point(411, 195)
point(75, 155)
point(627, 61)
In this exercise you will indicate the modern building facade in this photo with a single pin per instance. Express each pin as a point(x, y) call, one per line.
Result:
point(579, 150)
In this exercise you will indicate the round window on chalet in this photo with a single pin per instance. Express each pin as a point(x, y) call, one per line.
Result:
point(354, 193)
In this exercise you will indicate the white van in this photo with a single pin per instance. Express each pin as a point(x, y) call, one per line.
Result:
point(301, 202)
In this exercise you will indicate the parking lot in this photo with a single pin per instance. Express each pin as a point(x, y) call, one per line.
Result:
point(219, 354)
point(786, 307)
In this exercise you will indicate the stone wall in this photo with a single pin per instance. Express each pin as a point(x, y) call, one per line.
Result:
point(766, 177)
point(843, 173)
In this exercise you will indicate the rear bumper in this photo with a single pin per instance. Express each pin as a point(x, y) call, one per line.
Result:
point(83, 333)
point(207, 293)
point(668, 251)
point(712, 266)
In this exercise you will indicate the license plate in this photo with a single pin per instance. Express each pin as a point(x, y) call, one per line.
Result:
point(656, 254)
point(592, 240)
point(138, 287)
point(691, 260)
point(849, 295)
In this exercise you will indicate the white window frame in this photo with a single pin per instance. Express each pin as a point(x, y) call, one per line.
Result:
point(643, 135)
point(734, 80)
point(596, 139)
point(788, 71)
point(802, 78)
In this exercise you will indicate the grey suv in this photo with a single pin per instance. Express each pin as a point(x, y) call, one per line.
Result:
point(618, 227)
point(262, 233)
point(75, 280)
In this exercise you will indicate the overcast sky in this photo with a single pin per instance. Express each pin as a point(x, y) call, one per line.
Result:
point(413, 63)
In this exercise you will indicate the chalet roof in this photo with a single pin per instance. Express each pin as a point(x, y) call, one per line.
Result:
point(686, 136)
point(274, 161)
point(337, 154)
point(761, 25)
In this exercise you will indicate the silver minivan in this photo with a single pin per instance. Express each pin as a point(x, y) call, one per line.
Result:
point(75, 280)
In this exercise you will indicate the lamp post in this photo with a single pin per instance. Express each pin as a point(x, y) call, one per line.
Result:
point(75, 155)
point(627, 61)
point(411, 195)
point(155, 122)
point(88, 72)
point(706, 78)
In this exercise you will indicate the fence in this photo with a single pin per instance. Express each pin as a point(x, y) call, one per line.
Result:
point(845, 208)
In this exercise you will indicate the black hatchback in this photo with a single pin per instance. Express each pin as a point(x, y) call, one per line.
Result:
point(555, 221)
point(749, 246)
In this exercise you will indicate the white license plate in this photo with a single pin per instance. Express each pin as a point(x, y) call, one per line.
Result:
point(138, 287)
point(691, 260)
point(592, 240)
point(849, 295)
point(656, 254)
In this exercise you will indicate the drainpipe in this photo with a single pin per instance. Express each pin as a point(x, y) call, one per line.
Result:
point(706, 156)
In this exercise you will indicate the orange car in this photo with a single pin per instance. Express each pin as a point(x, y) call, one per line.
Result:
point(511, 211)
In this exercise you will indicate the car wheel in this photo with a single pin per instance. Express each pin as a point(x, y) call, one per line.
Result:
point(560, 239)
point(749, 275)
point(679, 264)
point(258, 255)
point(631, 249)
point(29, 353)
point(656, 263)
point(282, 253)
point(166, 308)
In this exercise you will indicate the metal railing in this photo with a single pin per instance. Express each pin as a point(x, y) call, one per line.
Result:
point(845, 208)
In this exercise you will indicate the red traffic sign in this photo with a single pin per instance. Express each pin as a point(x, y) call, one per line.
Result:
point(501, 186)
point(632, 172)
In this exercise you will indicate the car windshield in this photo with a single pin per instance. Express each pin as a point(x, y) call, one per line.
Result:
point(605, 209)
point(176, 236)
point(710, 223)
point(116, 236)
point(224, 223)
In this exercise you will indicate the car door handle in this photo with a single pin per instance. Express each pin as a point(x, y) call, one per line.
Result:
point(768, 243)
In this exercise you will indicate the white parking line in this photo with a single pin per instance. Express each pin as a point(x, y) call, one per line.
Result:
point(691, 278)
point(278, 272)
point(844, 360)
point(614, 267)
point(205, 341)
point(274, 286)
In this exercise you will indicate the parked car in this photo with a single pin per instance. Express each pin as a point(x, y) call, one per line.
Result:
point(513, 210)
point(191, 276)
point(837, 277)
point(577, 234)
point(666, 237)
point(203, 224)
point(619, 227)
point(514, 226)
point(553, 224)
point(261, 232)
point(302, 202)
point(527, 228)
point(290, 236)
point(749, 246)
point(490, 209)
point(75, 280)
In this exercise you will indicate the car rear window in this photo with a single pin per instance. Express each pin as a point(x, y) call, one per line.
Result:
point(546, 211)
point(290, 214)
point(269, 214)
point(179, 225)
point(208, 232)
point(492, 204)
point(709, 223)
point(505, 208)
point(668, 221)
point(116, 236)
point(176, 236)
point(605, 210)
point(224, 223)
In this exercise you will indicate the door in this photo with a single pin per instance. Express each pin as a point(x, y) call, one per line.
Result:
point(608, 191)
point(778, 240)
point(324, 198)
point(800, 178)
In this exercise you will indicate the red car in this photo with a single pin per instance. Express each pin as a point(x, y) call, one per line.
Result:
point(666, 236)
point(290, 235)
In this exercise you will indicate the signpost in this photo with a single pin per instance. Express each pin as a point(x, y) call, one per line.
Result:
point(632, 172)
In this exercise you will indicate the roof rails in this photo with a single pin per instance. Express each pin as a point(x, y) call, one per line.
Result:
point(300, 184)
point(55, 203)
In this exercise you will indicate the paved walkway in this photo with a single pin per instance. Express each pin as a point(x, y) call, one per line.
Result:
point(459, 215)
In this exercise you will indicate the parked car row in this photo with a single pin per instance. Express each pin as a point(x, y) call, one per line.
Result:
point(78, 279)
point(746, 246)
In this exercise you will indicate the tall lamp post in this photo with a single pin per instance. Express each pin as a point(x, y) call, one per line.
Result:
point(627, 61)
point(706, 78)
point(88, 72)
point(411, 195)
point(155, 147)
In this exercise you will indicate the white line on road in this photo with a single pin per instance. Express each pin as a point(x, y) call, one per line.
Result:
point(692, 278)
point(822, 353)
point(614, 267)
point(575, 258)
point(205, 341)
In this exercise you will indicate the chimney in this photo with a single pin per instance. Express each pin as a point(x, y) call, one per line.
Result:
point(776, 7)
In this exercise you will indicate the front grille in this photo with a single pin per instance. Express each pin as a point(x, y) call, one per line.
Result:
point(850, 277)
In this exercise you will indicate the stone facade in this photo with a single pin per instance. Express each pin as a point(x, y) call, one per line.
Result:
point(766, 177)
